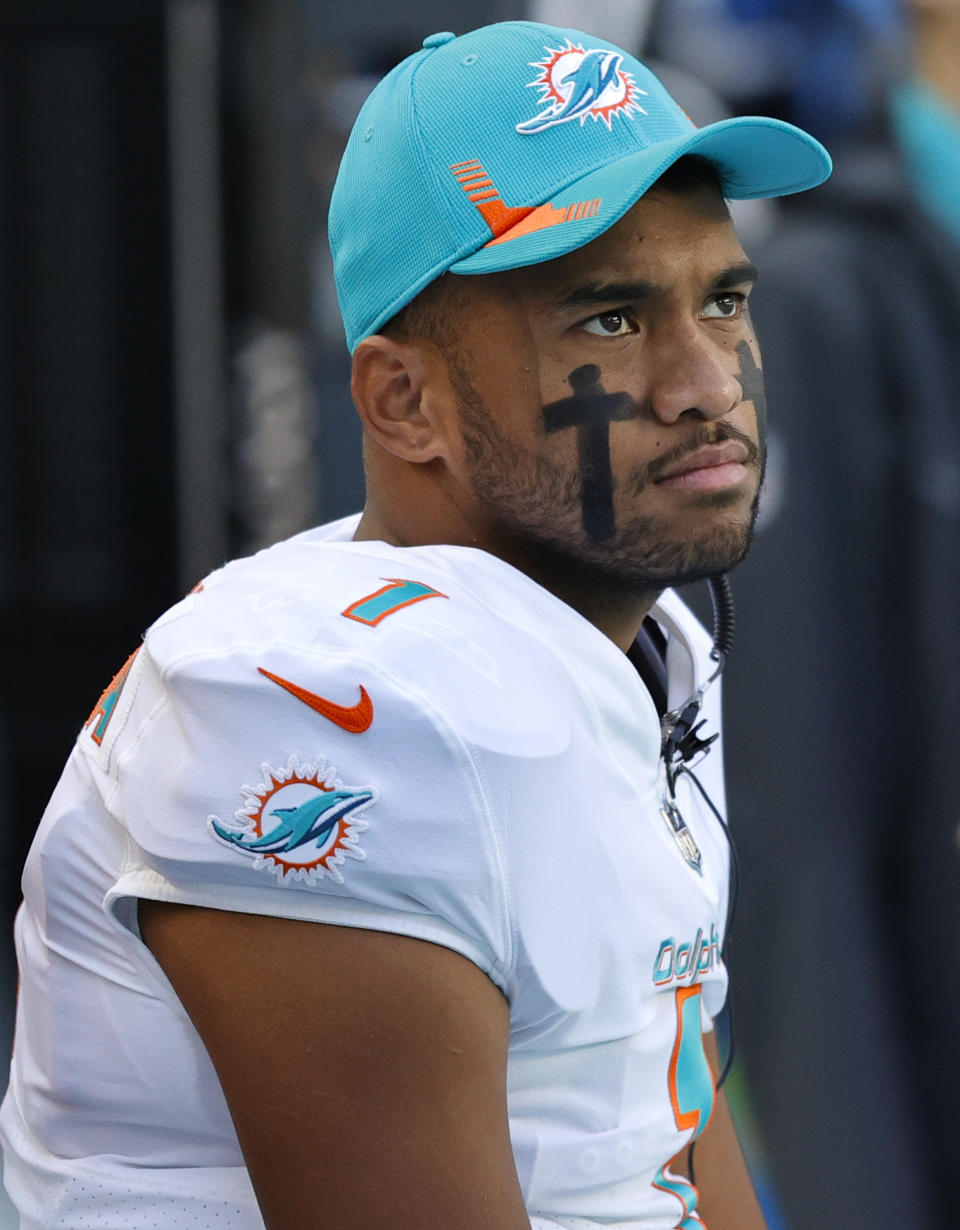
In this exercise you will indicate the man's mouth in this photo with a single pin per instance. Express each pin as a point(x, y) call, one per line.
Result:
point(708, 468)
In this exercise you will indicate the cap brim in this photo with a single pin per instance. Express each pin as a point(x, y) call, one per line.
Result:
point(755, 158)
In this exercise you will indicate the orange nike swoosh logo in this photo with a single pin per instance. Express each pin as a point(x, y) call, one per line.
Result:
point(353, 718)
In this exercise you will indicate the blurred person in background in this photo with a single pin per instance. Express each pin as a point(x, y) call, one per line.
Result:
point(847, 806)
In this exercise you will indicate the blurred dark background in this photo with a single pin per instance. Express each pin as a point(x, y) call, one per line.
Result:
point(174, 391)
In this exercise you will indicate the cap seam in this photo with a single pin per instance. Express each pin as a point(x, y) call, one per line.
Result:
point(424, 151)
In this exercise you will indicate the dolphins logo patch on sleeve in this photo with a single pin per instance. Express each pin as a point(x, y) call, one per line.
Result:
point(299, 822)
point(575, 83)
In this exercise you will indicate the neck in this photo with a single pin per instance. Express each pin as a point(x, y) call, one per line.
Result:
point(613, 610)
point(937, 51)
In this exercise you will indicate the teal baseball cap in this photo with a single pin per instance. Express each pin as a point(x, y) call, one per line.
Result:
point(515, 144)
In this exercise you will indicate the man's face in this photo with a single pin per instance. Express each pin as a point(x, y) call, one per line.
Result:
point(609, 400)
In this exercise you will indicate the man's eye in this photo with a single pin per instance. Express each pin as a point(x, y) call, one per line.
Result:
point(610, 324)
point(725, 307)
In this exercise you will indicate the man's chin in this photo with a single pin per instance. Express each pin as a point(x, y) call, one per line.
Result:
point(645, 560)
point(636, 566)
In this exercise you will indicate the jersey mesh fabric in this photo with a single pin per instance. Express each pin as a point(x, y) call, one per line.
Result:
point(506, 804)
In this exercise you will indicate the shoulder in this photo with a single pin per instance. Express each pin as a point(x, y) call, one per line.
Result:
point(304, 715)
point(448, 631)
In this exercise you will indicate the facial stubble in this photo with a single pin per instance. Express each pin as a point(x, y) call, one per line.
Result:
point(535, 509)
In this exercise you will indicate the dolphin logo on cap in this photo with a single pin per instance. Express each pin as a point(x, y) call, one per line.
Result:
point(576, 83)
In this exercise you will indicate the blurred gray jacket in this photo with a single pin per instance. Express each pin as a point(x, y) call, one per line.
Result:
point(843, 712)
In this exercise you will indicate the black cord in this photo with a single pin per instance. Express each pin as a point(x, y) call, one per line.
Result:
point(724, 624)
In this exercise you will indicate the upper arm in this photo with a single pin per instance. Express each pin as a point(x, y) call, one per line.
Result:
point(365, 1071)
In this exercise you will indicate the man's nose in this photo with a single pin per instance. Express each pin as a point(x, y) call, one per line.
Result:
point(692, 375)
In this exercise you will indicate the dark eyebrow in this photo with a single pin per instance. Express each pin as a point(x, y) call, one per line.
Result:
point(736, 275)
point(635, 292)
point(610, 292)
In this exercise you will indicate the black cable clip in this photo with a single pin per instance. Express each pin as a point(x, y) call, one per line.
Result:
point(681, 736)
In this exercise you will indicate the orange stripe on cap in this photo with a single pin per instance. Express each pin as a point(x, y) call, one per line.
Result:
point(508, 222)
point(543, 217)
point(501, 218)
point(498, 217)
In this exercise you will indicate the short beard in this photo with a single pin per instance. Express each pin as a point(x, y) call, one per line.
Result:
point(536, 511)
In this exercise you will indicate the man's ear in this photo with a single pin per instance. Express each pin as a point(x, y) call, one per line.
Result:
point(397, 389)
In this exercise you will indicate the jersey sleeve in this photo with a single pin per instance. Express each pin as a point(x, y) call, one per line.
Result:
point(308, 783)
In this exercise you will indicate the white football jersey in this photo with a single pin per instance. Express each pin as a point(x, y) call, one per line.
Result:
point(416, 740)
